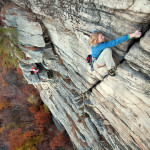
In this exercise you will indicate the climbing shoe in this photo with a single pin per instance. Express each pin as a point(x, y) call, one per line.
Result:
point(111, 72)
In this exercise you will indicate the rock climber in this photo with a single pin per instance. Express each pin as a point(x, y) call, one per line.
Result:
point(101, 52)
point(35, 70)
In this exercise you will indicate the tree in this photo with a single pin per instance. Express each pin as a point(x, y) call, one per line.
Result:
point(33, 109)
point(32, 99)
point(24, 141)
point(17, 139)
point(61, 140)
point(42, 117)
point(9, 47)
point(4, 104)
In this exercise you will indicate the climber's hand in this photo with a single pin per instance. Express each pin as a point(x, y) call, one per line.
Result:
point(136, 34)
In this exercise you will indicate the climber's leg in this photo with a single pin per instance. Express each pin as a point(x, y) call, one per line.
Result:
point(106, 58)
point(38, 76)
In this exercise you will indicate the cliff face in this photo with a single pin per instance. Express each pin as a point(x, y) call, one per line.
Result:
point(97, 112)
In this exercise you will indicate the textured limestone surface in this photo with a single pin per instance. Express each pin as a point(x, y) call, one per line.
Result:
point(97, 111)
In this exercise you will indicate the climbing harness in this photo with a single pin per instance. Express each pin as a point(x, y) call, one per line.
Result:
point(90, 60)
point(35, 70)
point(93, 60)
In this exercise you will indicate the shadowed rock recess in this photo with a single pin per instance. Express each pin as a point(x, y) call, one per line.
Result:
point(98, 114)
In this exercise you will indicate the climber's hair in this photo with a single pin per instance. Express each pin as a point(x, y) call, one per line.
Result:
point(94, 39)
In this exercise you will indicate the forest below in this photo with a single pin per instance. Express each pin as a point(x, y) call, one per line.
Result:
point(25, 122)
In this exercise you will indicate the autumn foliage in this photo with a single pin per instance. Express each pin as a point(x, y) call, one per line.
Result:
point(61, 140)
point(4, 104)
point(33, 109)
point(17, 138)
point(40, 115)
point(19, 71)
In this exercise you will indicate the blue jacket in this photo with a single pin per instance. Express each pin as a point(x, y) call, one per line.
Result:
point(96, 50)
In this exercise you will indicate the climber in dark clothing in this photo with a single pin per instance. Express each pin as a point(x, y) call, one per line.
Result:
point(101, 52)
point(35, 70)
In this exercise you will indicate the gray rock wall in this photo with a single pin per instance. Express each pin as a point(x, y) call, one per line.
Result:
point(97, 112)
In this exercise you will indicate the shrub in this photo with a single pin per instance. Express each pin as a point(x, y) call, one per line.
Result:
point(9, 48)
point(32, 99)
point(23, 141)
point(46, 108)
point(61, 140)
point(1, 129)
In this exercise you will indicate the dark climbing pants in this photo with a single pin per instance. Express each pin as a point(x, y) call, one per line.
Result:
point(38, 75)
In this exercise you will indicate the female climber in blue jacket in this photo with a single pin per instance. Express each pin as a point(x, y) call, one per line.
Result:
point(101, 52)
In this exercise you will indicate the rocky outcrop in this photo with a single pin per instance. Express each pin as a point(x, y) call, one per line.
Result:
point(98, 112)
